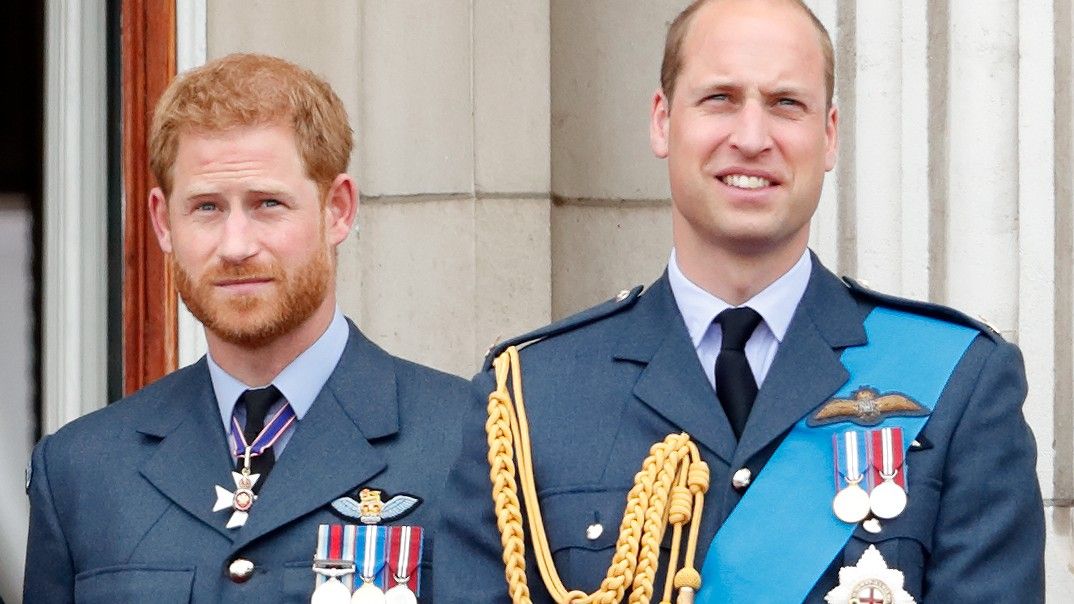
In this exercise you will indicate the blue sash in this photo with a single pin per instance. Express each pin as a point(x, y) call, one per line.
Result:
point(783, 535)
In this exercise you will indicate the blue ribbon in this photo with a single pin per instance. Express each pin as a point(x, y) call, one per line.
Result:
point(792, 495)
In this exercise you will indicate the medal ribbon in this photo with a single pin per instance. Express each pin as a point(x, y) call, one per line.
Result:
point(370, 546)
point(887, 456)
point(272, 432)
point(405, 545)
point(848, 447)
point(335, 542)
point(906, 352)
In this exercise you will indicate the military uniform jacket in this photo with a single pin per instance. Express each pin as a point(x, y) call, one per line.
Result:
point(603, 386)
point(121, 500)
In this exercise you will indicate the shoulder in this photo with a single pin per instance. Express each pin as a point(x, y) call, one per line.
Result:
point(872, 298)
point(592, 316)
point(156, 401)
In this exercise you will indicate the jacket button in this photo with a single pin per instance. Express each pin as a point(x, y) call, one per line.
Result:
point(741, 479)
point(240, 570)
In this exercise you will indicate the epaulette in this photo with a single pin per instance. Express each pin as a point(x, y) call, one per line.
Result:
point(929, 309)
point(624, 300)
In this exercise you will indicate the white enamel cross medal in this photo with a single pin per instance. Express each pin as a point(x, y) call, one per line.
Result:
point(241, 499)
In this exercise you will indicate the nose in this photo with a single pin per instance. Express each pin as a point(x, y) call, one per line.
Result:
point(239, 238)
point(750, 134)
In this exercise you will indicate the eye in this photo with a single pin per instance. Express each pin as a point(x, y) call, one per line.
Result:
point(271, 203)
point(204, 207)
point(719, 97)
point(789, 102)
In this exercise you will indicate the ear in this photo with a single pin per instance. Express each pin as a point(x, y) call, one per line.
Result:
point(831, 129)
point(158, 215)
point(341, 208)
point(658, 124)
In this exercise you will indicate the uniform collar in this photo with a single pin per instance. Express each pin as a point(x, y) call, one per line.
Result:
point(299, 382)
point(776, 303)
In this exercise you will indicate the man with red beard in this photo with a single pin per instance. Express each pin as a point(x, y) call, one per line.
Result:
point(267, 468)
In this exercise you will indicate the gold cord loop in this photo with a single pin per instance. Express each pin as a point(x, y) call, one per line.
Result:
point(669, 490)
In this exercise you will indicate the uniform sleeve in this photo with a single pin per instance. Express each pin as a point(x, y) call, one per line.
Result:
point(49, 571)
point(468, 558)
point(988, 543)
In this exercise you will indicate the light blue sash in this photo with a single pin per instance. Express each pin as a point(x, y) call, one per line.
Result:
point(783, 535)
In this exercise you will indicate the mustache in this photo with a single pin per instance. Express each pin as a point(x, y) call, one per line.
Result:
point(243, 271)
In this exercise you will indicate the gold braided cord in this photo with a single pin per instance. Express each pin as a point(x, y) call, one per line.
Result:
point(669, 490)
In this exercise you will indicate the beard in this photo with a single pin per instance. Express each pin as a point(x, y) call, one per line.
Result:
point(255, 320)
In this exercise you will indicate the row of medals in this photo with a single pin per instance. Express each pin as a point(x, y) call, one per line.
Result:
point(334, 591)
point(853, 504)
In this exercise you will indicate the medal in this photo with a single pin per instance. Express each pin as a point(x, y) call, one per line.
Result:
point(404, 556)
point(400, 594)
point(888, 498)
point(370, 545)
point(851, 503)
point(870, 581)
point(242, 498)
point(332, 563)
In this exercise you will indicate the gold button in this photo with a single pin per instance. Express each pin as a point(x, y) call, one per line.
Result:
point(240, 570)
point(741, 478)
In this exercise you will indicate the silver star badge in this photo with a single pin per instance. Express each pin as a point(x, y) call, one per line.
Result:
point(240, 500)
point(870, 581)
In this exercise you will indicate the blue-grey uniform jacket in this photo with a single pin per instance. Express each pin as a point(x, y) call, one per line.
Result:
point(121, 500)
point(603, 386)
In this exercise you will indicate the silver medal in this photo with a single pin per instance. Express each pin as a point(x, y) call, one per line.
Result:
point(332, 591)
point(851, 504)
point(400, 594)
point(368, 593)
point(887, 500)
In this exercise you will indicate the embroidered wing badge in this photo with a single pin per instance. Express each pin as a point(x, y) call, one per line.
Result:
point(867, 407)
point(369, 509)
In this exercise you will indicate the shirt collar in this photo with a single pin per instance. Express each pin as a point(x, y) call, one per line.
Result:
point(300, 382)
point(776, 303)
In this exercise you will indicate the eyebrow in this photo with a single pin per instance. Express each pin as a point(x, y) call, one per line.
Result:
point(262, 188)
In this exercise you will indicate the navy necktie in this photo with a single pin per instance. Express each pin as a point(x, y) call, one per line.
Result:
point(736, 387)
point(257, 404)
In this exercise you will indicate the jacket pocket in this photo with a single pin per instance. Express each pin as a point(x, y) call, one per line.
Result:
point(905, 542)
point(582, 527)
point(135, 584)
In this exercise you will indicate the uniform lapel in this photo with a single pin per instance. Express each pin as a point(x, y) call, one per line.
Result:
point(330, 453)
point(807, 369)
point(672, 382)
point(192, 455)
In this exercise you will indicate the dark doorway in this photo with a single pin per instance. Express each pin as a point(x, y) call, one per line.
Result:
point(22, 44)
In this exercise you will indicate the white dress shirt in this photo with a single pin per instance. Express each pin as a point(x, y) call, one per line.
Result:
point(776, 305)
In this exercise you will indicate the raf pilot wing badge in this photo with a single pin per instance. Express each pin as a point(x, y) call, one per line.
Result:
point(369, 509)
point(867, 407)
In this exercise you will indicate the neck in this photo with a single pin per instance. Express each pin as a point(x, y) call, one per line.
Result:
point(731, 275)
point(257, 366)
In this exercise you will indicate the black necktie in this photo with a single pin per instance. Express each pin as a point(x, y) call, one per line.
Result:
point(257, 405)
point(735, 385)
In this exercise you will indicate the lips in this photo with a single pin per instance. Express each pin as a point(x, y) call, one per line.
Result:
point(746, 178)
point(741, 181)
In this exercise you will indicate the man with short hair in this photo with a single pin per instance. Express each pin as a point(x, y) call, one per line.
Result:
point(225, 480)
point(844, 445)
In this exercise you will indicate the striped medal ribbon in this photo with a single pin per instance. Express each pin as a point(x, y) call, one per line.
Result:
point(851, 503)
point(888, 498)
point(369, 559)
point(404, 557)
point(334, 564)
